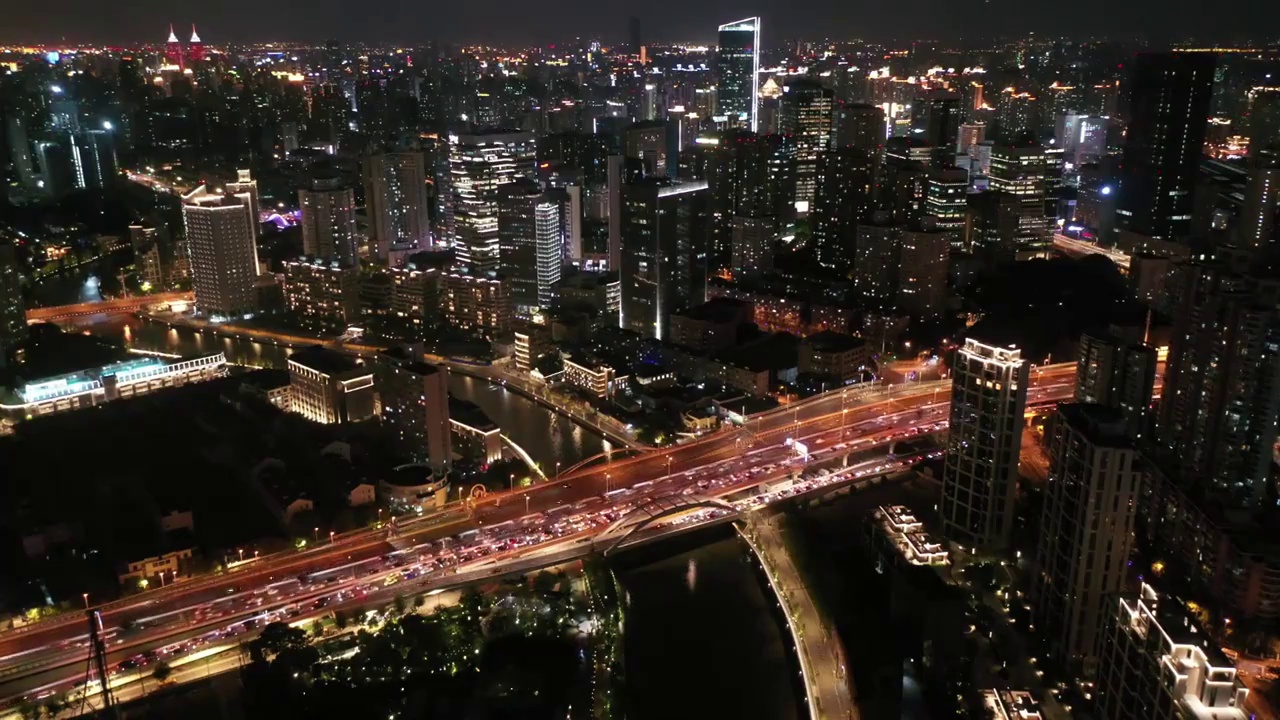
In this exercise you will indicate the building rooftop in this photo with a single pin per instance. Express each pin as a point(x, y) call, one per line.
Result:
point(470, 414)
point(832, 341)
point(323, 360)
point(1102, 425)
point(1011, 705)
point(717, 310)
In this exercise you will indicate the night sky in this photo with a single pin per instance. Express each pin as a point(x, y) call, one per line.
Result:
point(546, 21)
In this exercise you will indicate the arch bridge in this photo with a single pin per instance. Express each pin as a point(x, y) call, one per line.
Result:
point(620, 530)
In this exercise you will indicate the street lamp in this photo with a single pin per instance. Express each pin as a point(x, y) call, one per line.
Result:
point(241, 551)
point(86, 600)
point(315, 533)
point(557, 470)
point(330, 537)
point(607, 489)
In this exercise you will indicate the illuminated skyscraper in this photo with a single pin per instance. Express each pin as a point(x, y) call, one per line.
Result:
point(221, 230)
point(329, 220)
point(531, 242)
point(988, 398)
point(1168, 117)
point(13, 318)
point(396, 199)
point(806, 116)
point(479, 164)
point(195, 49)
point(173, 54)
point(664, 233)
point(737, 65)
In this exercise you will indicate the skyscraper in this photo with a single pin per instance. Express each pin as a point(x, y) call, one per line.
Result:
point(1020, 171)
point(1118, 370)
point(531, 242)
point(1085, 529)
point(858, 125)
point(664, 237)
point(329, 220)
point(844, 197)
point(396, 200)
point(737, 67)
point(937, 120)
point(480, 163)
point(806, 116)
point(988, 398)
point(1257, 224)
point(13, 318)
point(195, 47)
point(1216, 423)
point(1168, 114)
point(415, 403)
point(220, 231)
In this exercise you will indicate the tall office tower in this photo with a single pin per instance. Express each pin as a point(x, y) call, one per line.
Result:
point(531, 242)
point(13, 317)
point(1019, 171)
point(970, 134)
point(664, 236)
point(93, 158)
point(224, 256)
point(195, 47)
point(806, 116)
point(844, 198)
point(647, 143)
point(1117, 369)
point(1085, 529)
point(173, 54)
point(737, 68)
point(937, 120)
point(633, 35)
point(1156, 661)
point(946, 199)
point(1168, 115)
point(19, 148)
point(329, 220)
point(1083, 138)
point(1216, 422)
point(415, 404)
point(480, 163)
point(988, 398)
point(245, 186)
point(395, 192)
point(617, 178)
point(1257, 228)
point(858, 125)
point(1264, 117)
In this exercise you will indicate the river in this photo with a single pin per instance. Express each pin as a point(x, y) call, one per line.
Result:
point(549, 438)
point(703, 639)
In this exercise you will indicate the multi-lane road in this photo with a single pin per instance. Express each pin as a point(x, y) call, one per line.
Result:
point(504, 532)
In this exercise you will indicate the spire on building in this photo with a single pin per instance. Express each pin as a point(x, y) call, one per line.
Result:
point(172, 37)
point(194, 37)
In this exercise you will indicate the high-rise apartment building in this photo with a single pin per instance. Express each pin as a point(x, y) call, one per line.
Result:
point(902, 270)
point(1258, 214)
point(946, 200)
point(807, 108)
point(1169, 104)
point(329, 220)
point(415, 404)
point(1157, 662)
point(664, 238)
point(1085, 529)
point(13, 318)
point(988, 398)
point(531, 245)
point(396, 201)
point(1117, 369)
point(220, 230)
point(480, 163)
point(1216, 423)
point(737, 68)
point(844, 196)
point(748, 176)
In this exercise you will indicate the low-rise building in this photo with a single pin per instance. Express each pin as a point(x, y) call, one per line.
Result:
point(1010, 705)
point(591, 374)
point(475, 436)
point(900, 527)
point(835, 355)
point(711, 326)
point(328, 387)
point(477, 303)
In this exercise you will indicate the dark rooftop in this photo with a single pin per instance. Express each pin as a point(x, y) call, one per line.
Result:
point(832, 341)
point(323, 360)
point(717, 310)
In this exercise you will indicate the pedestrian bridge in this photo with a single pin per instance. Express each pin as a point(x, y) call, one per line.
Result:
point(653, 511)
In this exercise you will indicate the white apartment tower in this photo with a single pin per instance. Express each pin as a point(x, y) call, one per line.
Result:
point(221, 231)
